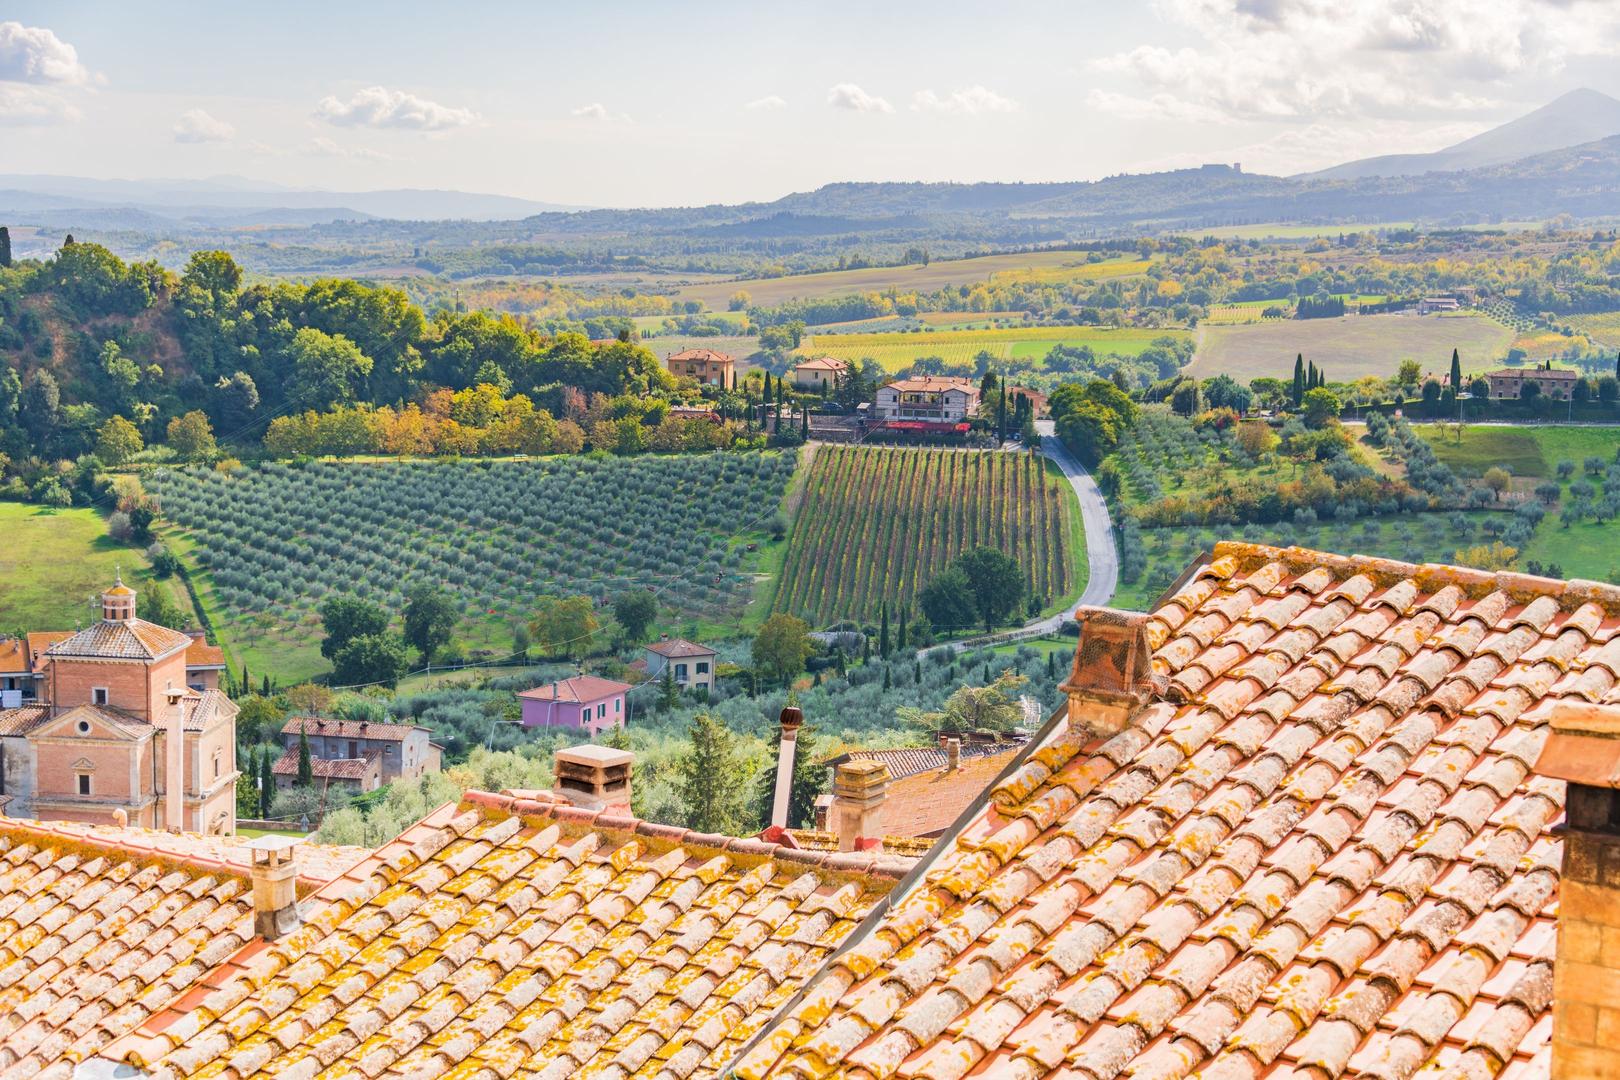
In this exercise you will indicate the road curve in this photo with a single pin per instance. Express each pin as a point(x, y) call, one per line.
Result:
point(1100, 551)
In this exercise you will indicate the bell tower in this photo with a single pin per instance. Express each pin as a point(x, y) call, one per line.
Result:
point(118, 602)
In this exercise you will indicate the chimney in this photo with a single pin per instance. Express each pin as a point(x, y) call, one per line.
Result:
point(792, 720)
point(275, 885)
point(824, 803)
point(1112, 677)
point(1584, 751)
point(594, 777)
point(859, 789)
point(953, 754)
point(174, 758)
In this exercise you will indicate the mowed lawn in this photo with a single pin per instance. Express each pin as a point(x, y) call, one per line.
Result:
point(55, 563)
point(1524, 450)
point(1349, 347)
point(897, 351)
point(936, 275)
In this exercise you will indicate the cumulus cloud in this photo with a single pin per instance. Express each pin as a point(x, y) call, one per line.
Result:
point(768, 103)
point(852, 97)
point(1305, 60)
point(973, 101)
point(598, 113)
point(197, 126)
point(380, 107)
point(22, 106)
point(33, 54)
point(321, 146)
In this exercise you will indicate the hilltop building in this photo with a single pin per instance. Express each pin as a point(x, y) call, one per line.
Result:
point(356, 754)
point(709, 367)
point(1509, 383)
point(112, 729)
point(691, 665)
point(585, 701)
point(819, 375)
point(927, 404)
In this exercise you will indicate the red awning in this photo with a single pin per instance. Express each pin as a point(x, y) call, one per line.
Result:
point(932, 427)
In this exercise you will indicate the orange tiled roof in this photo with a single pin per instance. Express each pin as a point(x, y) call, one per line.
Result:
point(40, 641)
point(23, 719)
point(929, 802)
point(713, 356)
point(14, 655)
point(347, 729)
point(200, 654)
point(131, 639)
point(1323, 853)
point(822, 363)
point(933, 384)
point(579, 689)
point(102, 928)
point(904, 761)
point(326, 768)
point(679, 647)
point(515, 935)
point(204, 707)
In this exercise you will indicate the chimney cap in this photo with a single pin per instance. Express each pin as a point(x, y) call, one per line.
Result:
point(592, 754)
point(1584, 744)
point(792, 718)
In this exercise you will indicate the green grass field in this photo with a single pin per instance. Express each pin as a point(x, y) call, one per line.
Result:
point(936, 275)
point(898, 351)
point(1525, 451)
point(55, 563)
point(1348, 348)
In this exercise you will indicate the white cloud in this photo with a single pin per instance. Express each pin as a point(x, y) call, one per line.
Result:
point(851, 97)
point(321, 146)
point(22, 106)
point(768, 103)
point(1303, 61)
point(33, 54)
point(196, 126)
point(377, 106)
point(972, 101)
point(598, 113)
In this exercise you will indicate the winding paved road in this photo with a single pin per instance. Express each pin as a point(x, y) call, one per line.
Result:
point(1101, 556)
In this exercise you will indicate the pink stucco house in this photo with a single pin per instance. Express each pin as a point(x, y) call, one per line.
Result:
point(584, 701)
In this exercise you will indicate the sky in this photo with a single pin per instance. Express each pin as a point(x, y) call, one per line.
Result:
point(665, 104)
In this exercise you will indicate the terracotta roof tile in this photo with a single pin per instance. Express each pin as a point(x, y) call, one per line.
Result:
point(1323, 857)
point(22, 720)
point(676, 647)
point(200, 654)
point(326, 768)
point(514, 935)
point(129, 639)
point(580, 688)
point(346, 729)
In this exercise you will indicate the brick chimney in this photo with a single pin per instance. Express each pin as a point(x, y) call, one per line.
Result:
point(174, 758)
point(859, 790)
point(792, 719)
point(1584, 750)
point(275, 885)
point(953, 754)
point(594, 777)
point(1112, 678)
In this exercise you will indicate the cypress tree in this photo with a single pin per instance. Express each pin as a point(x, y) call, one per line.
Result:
point(1456, 373)
point(804, 414)
point(905, 617)
point(1617, 365)
point(887, 682)
point(306, 768)
point(1051, 665)
point(767, 391)
point(247, 683)
point(883, 630)
point(916, 672)
point(5, 246)
point(866, 648)
point(1299, 378)
point(267, 783)
point(265, 690)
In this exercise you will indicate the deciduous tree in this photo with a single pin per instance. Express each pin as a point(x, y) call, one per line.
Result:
point(430, 619)
point(781, 647)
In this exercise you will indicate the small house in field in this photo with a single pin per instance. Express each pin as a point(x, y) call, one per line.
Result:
point(585, 701)
point(819, 376)
point(691, 664)
point(358, 753)
point(710, 367)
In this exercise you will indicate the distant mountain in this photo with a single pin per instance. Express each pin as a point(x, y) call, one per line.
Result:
point(223, 199)
point(1576, 118)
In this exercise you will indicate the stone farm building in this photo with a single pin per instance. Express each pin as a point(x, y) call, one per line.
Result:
point(927, 404)
point(709, 367)
point(819, 375)
point(357, 754)
point(112, 729)
point(585, 701)
point(1509, 383)
point(1313, 817)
